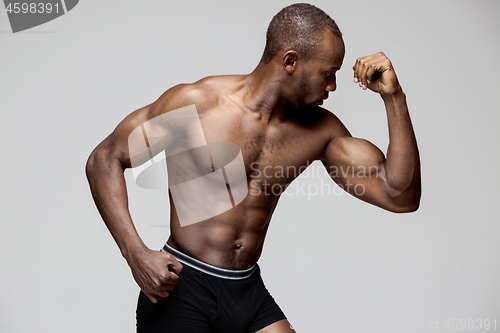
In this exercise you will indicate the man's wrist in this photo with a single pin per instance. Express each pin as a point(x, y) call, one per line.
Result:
point(132, 248)
point(398, 94)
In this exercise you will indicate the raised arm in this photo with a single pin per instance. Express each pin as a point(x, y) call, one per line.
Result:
point(358, 166)
point(155, 272)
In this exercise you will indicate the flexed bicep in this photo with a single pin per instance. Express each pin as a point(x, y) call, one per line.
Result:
point(358, 167)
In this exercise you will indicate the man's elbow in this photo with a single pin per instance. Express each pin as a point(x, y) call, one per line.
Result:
point(95, 161)
point(103, 161)
point(90, 166)
point(407, 201)
point(408, 206)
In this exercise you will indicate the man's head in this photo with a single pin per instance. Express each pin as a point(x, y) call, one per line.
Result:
point(308, 45)
point(299, 27)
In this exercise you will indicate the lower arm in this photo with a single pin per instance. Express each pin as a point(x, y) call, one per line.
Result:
point(402, 163)
point(107, 184)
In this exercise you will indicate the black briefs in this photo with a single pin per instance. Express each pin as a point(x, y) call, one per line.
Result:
point(209, 299)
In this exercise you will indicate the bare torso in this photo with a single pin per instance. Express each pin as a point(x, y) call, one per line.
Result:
point(274, 154)
point(277, 142)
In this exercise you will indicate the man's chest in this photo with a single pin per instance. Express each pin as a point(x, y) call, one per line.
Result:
point(276, 152)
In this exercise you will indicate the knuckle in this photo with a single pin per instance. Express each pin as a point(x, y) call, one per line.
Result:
point(173, 277)
point(152, 298)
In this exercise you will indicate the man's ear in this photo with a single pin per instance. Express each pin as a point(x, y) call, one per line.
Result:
point(290, 61)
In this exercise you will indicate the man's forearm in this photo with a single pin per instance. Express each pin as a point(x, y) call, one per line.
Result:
point(107, 184)
point(403, 163)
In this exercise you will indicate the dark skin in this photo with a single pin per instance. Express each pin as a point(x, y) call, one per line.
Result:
point(274, 116)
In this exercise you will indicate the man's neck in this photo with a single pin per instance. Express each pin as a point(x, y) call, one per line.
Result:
point(262, 93)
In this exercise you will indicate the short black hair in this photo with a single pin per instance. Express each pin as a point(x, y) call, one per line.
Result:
point(300, 27)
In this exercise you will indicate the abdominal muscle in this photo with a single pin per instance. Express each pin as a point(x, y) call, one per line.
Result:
point(231, 240)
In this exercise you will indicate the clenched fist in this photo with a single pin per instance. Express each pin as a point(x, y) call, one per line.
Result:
point(376, 73)
point(155, 272)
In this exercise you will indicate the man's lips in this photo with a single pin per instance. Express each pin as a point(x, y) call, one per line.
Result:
point(323, 99)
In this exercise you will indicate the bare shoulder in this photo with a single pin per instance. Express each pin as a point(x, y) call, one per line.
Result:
point(204, 93)
point(331, 126)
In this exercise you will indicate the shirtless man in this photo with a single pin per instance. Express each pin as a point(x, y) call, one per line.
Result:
point(273, 114)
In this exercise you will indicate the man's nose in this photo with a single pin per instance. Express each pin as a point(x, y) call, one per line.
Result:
point(331, 86)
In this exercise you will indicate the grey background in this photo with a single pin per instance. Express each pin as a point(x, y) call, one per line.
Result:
point(329, 260)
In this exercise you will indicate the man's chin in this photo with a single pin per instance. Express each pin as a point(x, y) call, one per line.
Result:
point(310, 106)
point(315, 104)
